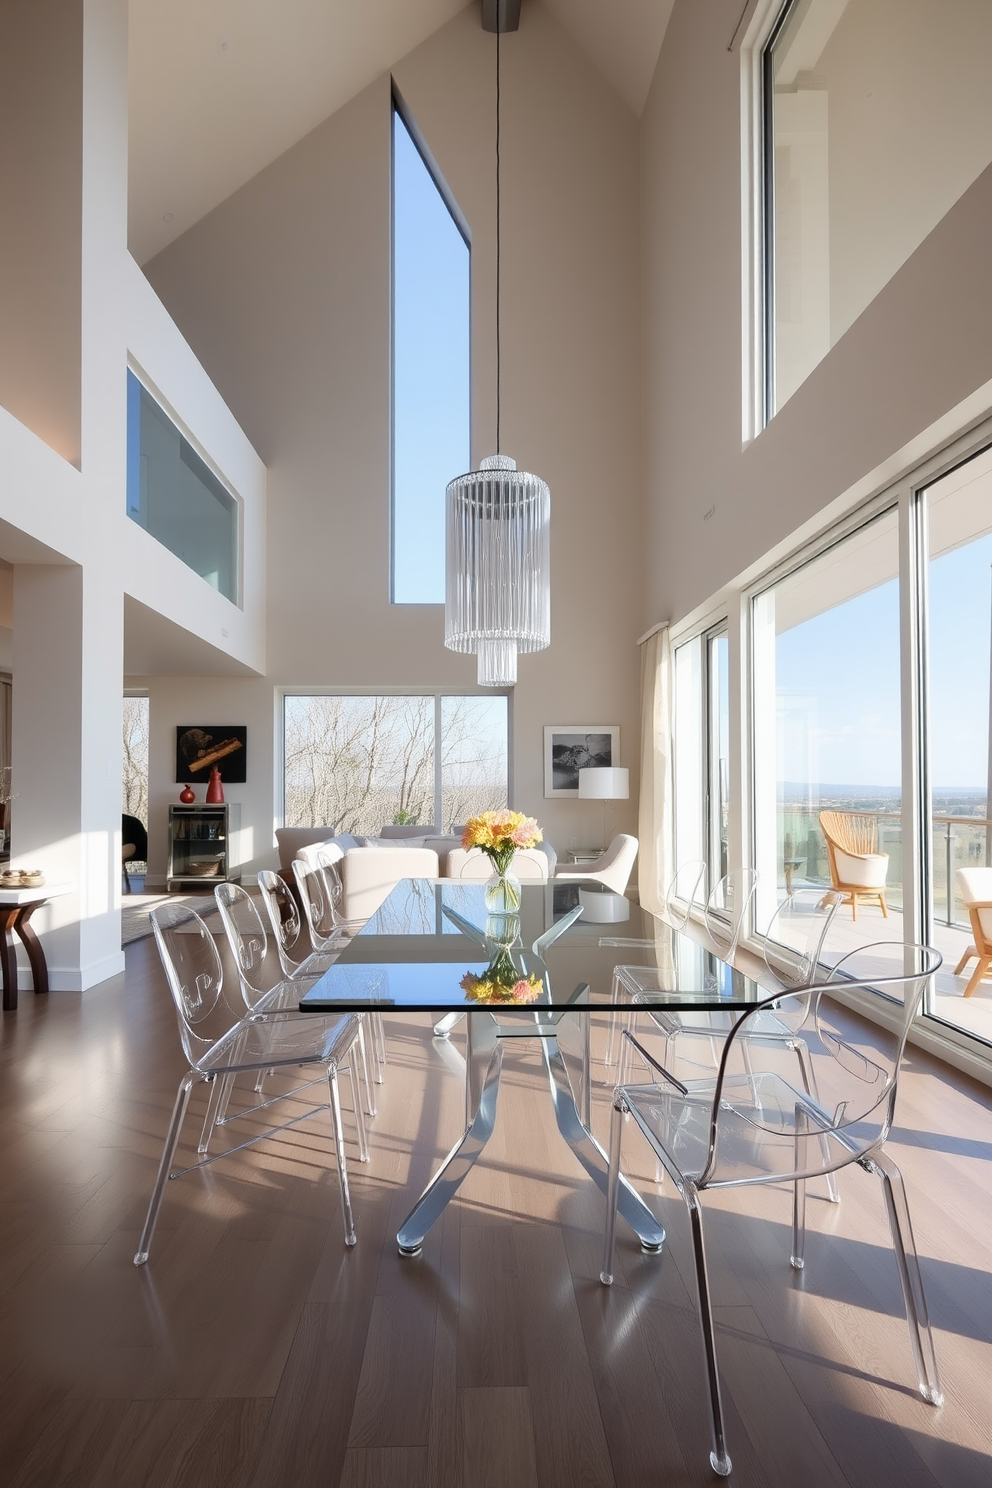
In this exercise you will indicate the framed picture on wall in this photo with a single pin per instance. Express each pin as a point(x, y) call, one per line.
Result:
point(571, 747)
point(201, 746)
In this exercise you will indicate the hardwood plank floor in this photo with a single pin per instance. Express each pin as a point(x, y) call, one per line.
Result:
point(255, 1351)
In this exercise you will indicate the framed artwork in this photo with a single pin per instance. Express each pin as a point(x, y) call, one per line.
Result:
point(571, 747)
point(201, 746)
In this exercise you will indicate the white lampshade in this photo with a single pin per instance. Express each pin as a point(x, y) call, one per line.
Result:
point(603, 784)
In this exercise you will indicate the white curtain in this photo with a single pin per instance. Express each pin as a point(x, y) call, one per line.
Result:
point(654, 822)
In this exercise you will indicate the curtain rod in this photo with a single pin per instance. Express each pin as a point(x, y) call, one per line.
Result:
point(662, 625)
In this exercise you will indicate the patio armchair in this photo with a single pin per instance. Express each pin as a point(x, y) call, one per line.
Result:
point(857, 869)
point(975, 889)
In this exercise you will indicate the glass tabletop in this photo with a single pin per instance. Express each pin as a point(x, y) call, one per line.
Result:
point(433, 947)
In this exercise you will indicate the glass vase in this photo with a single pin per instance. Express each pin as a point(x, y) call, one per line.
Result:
point(502, 894)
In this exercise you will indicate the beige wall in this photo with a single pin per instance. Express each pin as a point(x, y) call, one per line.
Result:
point(41, 98)
point(283, 294)
point(920, 348)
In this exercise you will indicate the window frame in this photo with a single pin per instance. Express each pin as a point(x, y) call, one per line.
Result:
point(373, 690)
point(399, 108)
point(907, 494)
point(141, 377)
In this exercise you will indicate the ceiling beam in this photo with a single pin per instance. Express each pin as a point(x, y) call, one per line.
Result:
point(500, 15)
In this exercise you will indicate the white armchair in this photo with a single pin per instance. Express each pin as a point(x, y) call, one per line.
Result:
point(529, 865)
point(612, 868)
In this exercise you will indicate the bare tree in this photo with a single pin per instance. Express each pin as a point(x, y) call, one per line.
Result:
point(135, 758)
point(356, 763)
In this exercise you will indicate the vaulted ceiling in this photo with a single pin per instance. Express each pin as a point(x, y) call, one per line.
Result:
point(219, 88)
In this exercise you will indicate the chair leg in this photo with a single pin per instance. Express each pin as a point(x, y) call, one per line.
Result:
point(217, 1084)
point(719, 1457)
point(361, 1134)
point(885, 907)
point(612, 1191)
point(164, 1167)
point(983, 965)
point(799, 1194)
point(335, 1104)
point(964, 960)
point(364, 1060)
point(908, 1262)
point(379, 1042)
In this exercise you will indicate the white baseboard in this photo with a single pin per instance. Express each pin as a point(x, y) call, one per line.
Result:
point(75, 978)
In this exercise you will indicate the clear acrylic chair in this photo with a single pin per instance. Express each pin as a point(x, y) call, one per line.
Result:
point(321, 893)
point(683, 892)
point(219, 1047)
point(749, 1123)
point(680, 897)
point(248, 942)
point(283, 911)
point(727, 908)
point(725, 914)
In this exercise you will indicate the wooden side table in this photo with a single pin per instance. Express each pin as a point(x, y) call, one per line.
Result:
point(16, 908)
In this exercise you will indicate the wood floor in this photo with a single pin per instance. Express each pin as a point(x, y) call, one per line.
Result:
point(254, 1351)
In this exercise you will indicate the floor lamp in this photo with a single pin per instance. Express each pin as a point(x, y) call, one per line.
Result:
point(604, 784)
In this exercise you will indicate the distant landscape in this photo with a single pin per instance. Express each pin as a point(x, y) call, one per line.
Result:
point(958, 800)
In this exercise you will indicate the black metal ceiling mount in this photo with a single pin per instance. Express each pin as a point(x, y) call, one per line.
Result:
point(500, 15)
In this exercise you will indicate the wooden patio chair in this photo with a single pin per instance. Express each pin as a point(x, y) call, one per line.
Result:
point(975, 889)
point(857, 869)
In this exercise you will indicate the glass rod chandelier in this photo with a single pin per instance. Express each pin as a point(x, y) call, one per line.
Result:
point(497, 599)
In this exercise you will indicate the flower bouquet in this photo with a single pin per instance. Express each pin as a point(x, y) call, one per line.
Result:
point(498, 834)
point(501, 984)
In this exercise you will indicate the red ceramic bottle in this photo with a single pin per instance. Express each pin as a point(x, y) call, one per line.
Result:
point(215, 788)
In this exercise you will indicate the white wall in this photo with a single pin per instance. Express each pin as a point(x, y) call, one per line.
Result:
point(283, 294)
point(918, 350)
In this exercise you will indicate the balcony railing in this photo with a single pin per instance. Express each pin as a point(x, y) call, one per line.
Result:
point(959, 842)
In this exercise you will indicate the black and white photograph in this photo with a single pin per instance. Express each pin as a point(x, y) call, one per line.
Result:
point(569, 748)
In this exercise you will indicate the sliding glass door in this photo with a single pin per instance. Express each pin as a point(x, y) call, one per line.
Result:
point(959, 524)
point(827, 792)
point(702, 754)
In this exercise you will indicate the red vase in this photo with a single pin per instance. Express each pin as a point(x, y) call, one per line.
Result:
point(215, 788)
point(187, 795)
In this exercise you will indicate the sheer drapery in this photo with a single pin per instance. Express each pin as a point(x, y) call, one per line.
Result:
point(654, 823)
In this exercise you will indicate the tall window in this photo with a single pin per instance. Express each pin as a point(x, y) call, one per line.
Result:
point(431, 403)
point(959, 510)
point(828, 728)
point(877, 117)
point(358, 763)
point(176, 497)
point(702, 754)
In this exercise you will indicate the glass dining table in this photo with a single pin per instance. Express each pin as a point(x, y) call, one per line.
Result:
point(434, 947)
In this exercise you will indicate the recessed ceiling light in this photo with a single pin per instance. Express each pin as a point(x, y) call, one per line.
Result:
point(166, 216)
point(222, 46)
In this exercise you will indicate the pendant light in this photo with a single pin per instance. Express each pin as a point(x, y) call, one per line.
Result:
point(498, 529)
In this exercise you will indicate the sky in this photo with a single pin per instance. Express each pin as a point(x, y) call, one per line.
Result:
point(839, 687)
point(432, 408)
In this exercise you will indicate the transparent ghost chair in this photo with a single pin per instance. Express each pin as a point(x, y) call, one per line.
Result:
point(320, 892)
point(283, 911)
point(727, 909)
point(248, 942)
point(680, 897)
point(725, 915)
point(219, 1047)
point(748, 1123)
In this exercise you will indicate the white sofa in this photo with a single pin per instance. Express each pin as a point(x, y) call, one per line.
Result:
point(371, 867)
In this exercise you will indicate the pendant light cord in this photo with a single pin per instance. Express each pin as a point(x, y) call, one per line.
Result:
point(498, 449)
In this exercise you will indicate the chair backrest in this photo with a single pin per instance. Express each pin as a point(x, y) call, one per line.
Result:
point(314, 884)
point(193, 971)
point(284, 917)
point(974, 887)
point(857, 835)
point(684, 891)
point(796, 934)
point(246, 937)
point(727, 908)
point(839, 1104)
